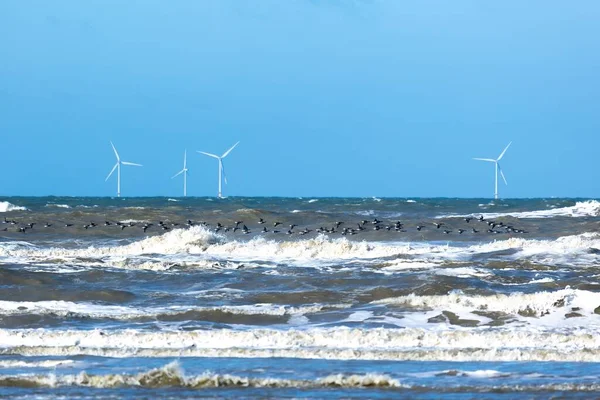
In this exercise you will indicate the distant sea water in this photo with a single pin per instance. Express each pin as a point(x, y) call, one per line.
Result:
point(176, 298)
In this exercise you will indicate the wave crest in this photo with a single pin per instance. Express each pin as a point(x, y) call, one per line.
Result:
point(5, 206)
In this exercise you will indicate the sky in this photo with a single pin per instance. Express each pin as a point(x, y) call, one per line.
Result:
point(327, 98)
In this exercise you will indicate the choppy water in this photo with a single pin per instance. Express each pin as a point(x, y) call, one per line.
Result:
point(187, 308)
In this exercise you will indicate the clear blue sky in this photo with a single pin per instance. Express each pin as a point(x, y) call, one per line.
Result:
point(328, 98)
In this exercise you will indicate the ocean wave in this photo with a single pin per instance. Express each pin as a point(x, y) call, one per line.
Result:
point(580, 344)
point(36, 364)
point(589, 208)
point(200, 245)
point(68, 309)
point(5, 206)
point(52, 205)
point(173, 376)
point(548, 307)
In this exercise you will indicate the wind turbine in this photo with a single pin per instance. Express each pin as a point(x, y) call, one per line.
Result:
point(221, 168)
point(118, 168)
point(184, 171)
point(498, 169)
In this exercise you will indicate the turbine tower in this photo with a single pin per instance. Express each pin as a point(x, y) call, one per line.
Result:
point(221, 168)
point(184, 171)
point(118, 168)
point(498, 169)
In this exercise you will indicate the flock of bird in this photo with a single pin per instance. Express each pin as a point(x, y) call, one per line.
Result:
point(341, 227)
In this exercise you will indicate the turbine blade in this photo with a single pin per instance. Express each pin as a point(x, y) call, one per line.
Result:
point(184, 158)
point(485, 159)
point(111, 171)
point(208, 154)
point(229, 151)
point(177, 174)
point(115, 150)
point(502, 154)
point(502, 175)
point(223, 170)
point(130, 163)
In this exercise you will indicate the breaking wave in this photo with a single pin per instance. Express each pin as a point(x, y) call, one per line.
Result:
point(171, 375)
point(90, 310)
point(174, 246)
point(589, 208)
point(539, 304)
point(5, 206)
point(480, 344)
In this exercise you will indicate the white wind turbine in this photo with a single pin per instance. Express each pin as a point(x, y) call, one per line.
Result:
point(221, 168)
point(184, 171)
point(118, 168)
point(498, 169)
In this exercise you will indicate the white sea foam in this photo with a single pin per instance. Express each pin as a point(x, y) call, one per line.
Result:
point(5, 206)
point(90, 310)
point(475, 344)
point(313, 200)
point(36, 364)
point(201, 246)
point(540, 308)
point(174, 200)
point(52, 205)
point(589, 208)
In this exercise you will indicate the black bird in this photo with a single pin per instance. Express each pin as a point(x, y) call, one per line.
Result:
point(338, 223)
point(360, 227)
point(237, 223)
point(68, 225)
point(481, 218)
point(292, 226)
point(475, 230)
point(261, 221)
point(419, 227)
point(47, 225)
point(468, 219)
point(265, 230)
point(460, 231)
point(376, 221)
point(438, 225)
point(123, 227)
point(106, 223)
point(447, 231)
point(275, 224)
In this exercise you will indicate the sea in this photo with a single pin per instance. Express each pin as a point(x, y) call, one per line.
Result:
point(299, 298)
